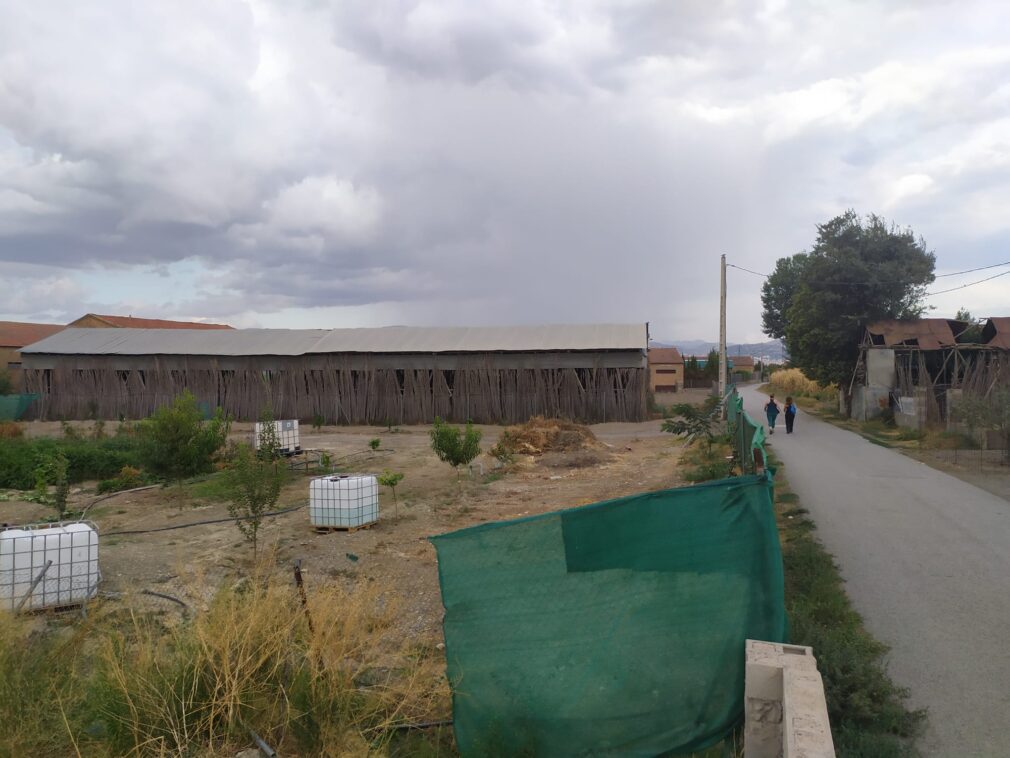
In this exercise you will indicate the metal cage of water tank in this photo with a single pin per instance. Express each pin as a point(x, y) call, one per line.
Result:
point(343, 501)
point(288, 437)
point(48, 565)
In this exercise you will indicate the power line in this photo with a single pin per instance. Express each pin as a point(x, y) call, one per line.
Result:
point(969, 284)
point(928, 294)
point(756, 273)
point(980, 268)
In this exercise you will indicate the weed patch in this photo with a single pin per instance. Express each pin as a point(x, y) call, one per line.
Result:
point(252, 659)
point(702, 463)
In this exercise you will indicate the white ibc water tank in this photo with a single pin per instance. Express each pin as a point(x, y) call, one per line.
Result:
point(343, 501)
point(287, 435)
point(71, 579)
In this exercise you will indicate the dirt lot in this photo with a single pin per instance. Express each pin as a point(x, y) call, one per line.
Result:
point(189, 562)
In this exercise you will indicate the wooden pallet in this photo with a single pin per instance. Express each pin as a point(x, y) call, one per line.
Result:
point(328, 529)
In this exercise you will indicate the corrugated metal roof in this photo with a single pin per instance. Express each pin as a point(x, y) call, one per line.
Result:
point(20, 333)
point(235, 342)
point(393, 339)
point(996, 332)
point(926, 333)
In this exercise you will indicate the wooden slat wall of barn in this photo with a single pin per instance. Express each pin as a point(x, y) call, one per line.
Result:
point(88, 387)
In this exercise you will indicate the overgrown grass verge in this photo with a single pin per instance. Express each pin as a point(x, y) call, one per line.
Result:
point(127, 682)
point(869, 716)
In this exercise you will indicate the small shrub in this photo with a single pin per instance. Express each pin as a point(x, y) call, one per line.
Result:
point(503, 450)
point(318, 421)
point(10, 430)
point(390, 479)
point(325, 461)
point(374, 444)
point(128, 478)
point(70, 432)
point(53, 470)
point(98, 430)
point(6, 382)
point(453, 445)
point(695, 423)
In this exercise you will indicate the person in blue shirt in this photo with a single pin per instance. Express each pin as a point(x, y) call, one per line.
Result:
point(772, 412)
point(790, 415)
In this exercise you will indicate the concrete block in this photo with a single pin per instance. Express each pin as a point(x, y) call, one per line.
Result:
point(786, 712)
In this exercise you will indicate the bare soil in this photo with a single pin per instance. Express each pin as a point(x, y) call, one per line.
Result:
point(189, 563)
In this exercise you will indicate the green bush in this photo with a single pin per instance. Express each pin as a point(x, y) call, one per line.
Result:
point(128, 478)
point(455, 446)
point(177, 443)
point(86, 459)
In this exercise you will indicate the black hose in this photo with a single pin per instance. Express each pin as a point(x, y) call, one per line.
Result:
point(203, 523)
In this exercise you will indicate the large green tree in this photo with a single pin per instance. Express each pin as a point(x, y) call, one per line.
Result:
point(859, 270)
point(777, 293)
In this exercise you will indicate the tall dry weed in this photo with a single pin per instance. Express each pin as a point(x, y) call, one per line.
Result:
point(126, 682)
point(792, 381)
point(11, 430)
point(252, 661)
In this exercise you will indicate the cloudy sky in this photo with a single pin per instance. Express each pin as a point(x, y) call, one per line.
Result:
point(362, 163)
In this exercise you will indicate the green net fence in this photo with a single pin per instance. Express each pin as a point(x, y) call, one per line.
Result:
point(13, 407)
point(616, 628)
point(748, 435)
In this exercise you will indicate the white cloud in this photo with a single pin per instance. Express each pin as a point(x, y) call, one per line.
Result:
point(496, 162)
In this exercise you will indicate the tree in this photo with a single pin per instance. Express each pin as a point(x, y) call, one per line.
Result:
point(253, 485)
point(778, 291)
point(973, 333)
point(692, 370)
point(858, 271)
point(712, 365)
point(268, 443)
point(177, 442)
point(453, 445)
point(390, 479)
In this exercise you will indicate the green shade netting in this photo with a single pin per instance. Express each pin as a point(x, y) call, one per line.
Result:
point(616, 628)
point(748, 435)
point(12, 407)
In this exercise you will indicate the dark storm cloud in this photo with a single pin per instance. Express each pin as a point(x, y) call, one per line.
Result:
point(482, 163)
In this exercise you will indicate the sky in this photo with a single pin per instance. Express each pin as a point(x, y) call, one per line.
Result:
point(306, 164)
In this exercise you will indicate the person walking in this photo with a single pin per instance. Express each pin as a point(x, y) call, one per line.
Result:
point(790, 415)
point(772, 412)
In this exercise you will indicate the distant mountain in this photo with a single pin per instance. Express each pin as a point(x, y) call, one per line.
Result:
point(771, 351)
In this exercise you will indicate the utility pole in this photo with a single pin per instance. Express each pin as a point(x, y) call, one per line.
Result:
point(722, 331)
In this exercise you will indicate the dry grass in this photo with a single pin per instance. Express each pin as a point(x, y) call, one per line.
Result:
point(251, 659)
point(10, 430)
point(542, 435)
point(792, 381)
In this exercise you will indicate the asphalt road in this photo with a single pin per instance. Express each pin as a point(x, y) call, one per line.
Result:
point(926, 559)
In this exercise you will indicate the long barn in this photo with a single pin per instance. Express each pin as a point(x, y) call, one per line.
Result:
point(399, 375)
